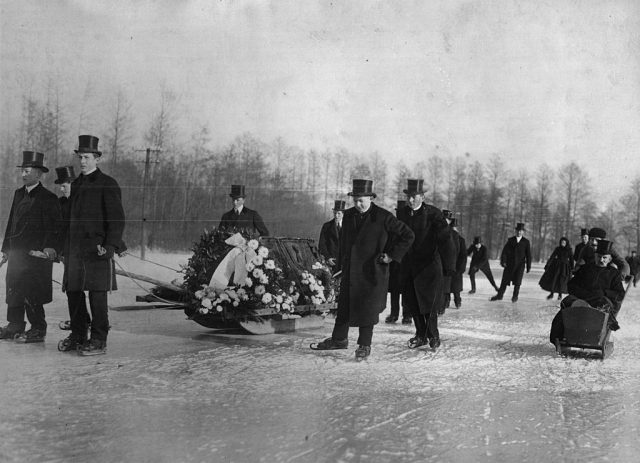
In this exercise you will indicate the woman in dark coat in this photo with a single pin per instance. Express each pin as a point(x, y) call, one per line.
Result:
point(557, 271)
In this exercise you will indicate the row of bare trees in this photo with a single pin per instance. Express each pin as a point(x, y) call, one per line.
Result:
point(294, 188)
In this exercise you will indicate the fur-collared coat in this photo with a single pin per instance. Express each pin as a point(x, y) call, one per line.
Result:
point(96, 217)
point(363, 288)
point(34, 224)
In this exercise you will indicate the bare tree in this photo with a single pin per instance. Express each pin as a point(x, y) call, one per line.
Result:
point(120, 129)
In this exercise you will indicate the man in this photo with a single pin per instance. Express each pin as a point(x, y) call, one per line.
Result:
point(423, 268)
point(241, 218)
point(634, 264)
point(597, 283)
point(328, 244)
point(455, 281)
point(584, 240)
point(479, 261)
point(29, 247)
point(515, 258)
point(395, 281)
point(94, 235)
point(371, 239)
point(587, 253)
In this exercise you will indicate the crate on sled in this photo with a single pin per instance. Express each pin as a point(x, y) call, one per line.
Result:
point(586, 330)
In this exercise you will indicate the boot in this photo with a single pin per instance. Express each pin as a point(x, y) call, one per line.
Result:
point(516, 291)
point(550, 296)
point(498, 297)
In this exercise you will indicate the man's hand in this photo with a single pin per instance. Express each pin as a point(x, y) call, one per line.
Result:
point(50, 252)
point(4, 258)
point(106, 252)
point(384, 258)
point(331, 261)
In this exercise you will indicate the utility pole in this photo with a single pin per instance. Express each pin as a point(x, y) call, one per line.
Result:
point(145, 180)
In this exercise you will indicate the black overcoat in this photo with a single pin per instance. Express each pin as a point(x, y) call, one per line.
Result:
point(248, 220)
point(515, 258)
point(329, 242)
point(34, 224)
point(96, 218)
point(461, 263)
point(557, 271)
point(365, 279)
point(432, 255)
point(592, 282)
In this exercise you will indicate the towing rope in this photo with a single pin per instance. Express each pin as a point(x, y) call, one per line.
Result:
point(127, 253)
point(143, 288)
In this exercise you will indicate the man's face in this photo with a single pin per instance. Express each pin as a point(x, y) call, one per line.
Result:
point(238, 202)
point(66, 189)
point(338, 215)
point(362, 203)
point(602, 260)
point(563, 243)
point(478, 245)
point(88, 162)
point(585, 239)
point(594, 241)
point(415, 201)
point(31, 175)
point(519, 233)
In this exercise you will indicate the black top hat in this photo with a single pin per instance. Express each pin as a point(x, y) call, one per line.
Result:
point(584, 231)
point(520, 226)
point(65, 174)
point(88, 144)
point(362, 187)
point(237, 191)
point(401, 204)
point(448, 214)
point(414, 186)
point(604, 247)
point(476, 240)
point(339, 205)
point(33, 159)
point(596, 232)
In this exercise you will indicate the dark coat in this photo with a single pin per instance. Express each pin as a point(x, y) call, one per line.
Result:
point(577, 251)
point(557, 271)
point(96, 218)
point(34, 224)
point(365, 279)
point(515, 258)
point(432, 255)
point(248, 221)
point(461, 263)
point(329, 242)
point(634, 264)
point(591, 283)
point(479, 258)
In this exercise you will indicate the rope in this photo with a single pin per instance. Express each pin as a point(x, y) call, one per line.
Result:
point(151, 262)
point(143, 288)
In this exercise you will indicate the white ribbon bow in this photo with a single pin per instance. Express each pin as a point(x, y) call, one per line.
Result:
point(234, 263)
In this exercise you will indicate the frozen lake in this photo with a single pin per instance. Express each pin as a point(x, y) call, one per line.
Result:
point(169, 390)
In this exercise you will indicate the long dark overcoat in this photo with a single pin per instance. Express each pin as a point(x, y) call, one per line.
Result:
point(479, 258)
point(515, 258)
point(248, 220)
point(34, 224)
point(96, 218)
point(557, 271)
point(329, 242)
point(364, 279)
point(432, 255)
point(461, 263)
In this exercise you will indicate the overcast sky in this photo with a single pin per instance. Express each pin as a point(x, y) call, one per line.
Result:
point(536, 80)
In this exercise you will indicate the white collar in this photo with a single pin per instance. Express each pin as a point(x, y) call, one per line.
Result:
point(30, 188)
point(518, 238)
point(91, 172)
point(239, 209)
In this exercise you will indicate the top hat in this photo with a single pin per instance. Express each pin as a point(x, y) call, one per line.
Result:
point(65, 174)
point(33, 159)
point(339, 205)
point(454, 222)
point(584, 231)
point(596, 232)
point(362, 188)
point(401, 204)
point(414, 186)
point(604, 247)
point(448, 214)
point(88, 144)
point(520, 226)
point(476, 240)
point(237, 191)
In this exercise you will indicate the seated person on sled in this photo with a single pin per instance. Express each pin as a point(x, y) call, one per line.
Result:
point(597, 283)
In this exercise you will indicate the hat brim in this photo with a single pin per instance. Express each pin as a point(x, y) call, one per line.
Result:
point(42, 168)
point(355, 195)
point(413, 192)
point(99, 153)
point(236, 196)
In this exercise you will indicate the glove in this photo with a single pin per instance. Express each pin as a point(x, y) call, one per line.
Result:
point(106, 252)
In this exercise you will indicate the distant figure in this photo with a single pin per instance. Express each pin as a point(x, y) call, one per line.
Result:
point(558, 269)
point(634, 264)
point(479, 261)
point(456, 285)
point(584, 240)
point(329, 242)
point(241, 218)
point(515, 259)
point(395, 281)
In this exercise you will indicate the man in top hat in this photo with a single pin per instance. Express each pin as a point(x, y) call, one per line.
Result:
point(241, 218)
point(515, 258)
point(93, 237)
point(453, 284)
point(597, 283)
point(371, 239)
point(634, 265)
point(29, 247)
point(395, 281)
point(329, 242)
point(587, 253)
point(479, 261)
point(584, 240)
point(430, 258)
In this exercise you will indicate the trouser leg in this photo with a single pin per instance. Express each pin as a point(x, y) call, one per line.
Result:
point(365, 335)
point(447, 300)
point(35, 315)
point(99, 315)
point(78, 313)
point(15, 317)
point(432, 325)
point(457, 300)
point(489, 276)
point(516, 292)
point(472, 279)
point(411, 300)
point(395, 303)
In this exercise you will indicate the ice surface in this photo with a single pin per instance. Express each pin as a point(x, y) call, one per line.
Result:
point(169, 390)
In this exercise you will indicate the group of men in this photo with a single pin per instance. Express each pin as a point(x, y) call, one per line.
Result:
point(83, 229)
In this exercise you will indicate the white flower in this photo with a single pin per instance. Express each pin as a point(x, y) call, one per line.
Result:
point(202, 310)
point(253, 244)
point(232, 294)
point(316, 266)
point(259, 290)
point(236, 303)
point(248, 282)
point(224, 297)
point(257, 273)
point(270, 264)
point(263, 252)
point(257, 261)
point(199, 294)
point(264, 280)
point(250, 266)
point(266, 298)
point(286, 306)
point(206, 303)
point(279, 299)
point(219, 308)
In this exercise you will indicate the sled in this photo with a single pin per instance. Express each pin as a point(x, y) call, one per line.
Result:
point(586, 331)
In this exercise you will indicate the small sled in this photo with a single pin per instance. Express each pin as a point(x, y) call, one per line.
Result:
point(586, 331)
